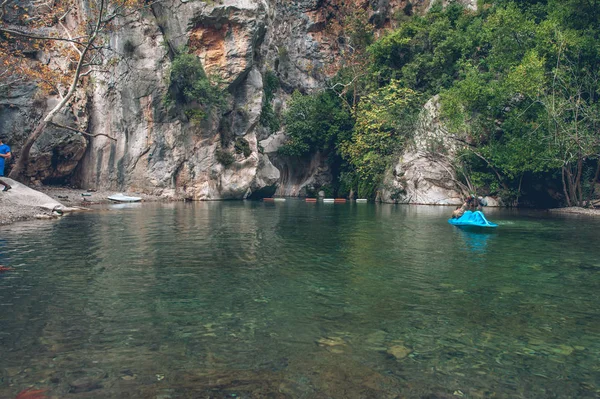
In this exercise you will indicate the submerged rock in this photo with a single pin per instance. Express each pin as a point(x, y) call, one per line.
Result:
point(399, 351)
point(331, 341)
point(563, 350)
point(85, 384)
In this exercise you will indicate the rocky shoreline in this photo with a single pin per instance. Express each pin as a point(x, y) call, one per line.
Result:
point(12, 211)
point(575, 210)
point(69, 197)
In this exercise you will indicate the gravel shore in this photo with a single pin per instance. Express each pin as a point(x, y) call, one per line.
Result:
point(73, 196)
point(11, 212)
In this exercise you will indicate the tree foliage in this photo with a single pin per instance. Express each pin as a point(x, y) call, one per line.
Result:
point(315, 123)
point(192, 89)
point(384, 120)
point(519, 88)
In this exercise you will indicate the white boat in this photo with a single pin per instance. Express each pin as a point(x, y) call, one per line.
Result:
point(279, 199)
point(123, 198)
point(328, 200)
point(361, 201)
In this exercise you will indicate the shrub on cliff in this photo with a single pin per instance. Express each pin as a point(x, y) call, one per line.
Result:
point(191, 87)
point(268, 117)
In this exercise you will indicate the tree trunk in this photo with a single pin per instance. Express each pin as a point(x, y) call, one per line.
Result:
point(21, 162)
point(578, 186)
point(18, 171)
point(565, 187)
point(594, 180)
point(571, 187)
point(519, 190)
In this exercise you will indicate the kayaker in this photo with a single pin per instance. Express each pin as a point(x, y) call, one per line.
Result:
point(458, 212)
point(473, 203)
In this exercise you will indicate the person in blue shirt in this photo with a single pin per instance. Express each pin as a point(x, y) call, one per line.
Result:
point(4, 155)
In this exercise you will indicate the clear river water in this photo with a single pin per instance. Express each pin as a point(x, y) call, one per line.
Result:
point(296, 300)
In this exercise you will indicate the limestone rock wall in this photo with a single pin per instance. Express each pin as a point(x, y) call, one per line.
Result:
point(56, 154)
point(424, 173)
point(153, 149)
point(159, 151)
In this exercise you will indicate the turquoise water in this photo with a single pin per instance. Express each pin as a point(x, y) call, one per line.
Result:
point(295, 300)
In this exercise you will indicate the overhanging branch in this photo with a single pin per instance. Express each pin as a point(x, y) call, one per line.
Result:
point(38, 37)
point(81, 131)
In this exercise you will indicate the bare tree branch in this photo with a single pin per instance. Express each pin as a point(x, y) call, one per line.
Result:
point(40, 37)
point(81, 131)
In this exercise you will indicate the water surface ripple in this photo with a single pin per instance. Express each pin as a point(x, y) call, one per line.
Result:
point(295, 300)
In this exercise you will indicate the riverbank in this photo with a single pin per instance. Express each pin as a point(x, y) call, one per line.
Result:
point(575, 210)
point(25, 203)
point(34, 207)
point(79, 197)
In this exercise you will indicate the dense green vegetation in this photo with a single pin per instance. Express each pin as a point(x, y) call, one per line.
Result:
point(196, 93)
point(268, 117)
point(519, 88)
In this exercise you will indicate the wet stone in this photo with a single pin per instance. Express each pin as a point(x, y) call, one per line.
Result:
point(89, 380)
point(85, 384)
point(128, 375)
point(399, 351)
point(331, 341)
point(564, 350)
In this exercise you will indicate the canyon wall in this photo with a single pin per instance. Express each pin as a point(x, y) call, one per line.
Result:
point(139, 143)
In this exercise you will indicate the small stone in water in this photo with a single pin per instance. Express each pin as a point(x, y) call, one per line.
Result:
point(84, 385)
point(330, 341)
point(399, 351)
point(564, 350)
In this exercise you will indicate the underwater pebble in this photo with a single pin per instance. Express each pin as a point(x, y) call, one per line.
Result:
point(564, 350)
point(84, 385)
point(331, 341)
point(399, 351)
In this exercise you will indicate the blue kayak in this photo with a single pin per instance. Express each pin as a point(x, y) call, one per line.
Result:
point(472, 219)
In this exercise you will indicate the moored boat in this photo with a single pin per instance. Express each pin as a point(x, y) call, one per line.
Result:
point(124, 198)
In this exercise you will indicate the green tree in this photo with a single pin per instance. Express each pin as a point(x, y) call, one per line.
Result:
point(384, 120)
point(315, 123)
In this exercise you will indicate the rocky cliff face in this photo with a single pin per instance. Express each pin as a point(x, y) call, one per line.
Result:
point(159, 151)
point(164, 153)
point(424, 173)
